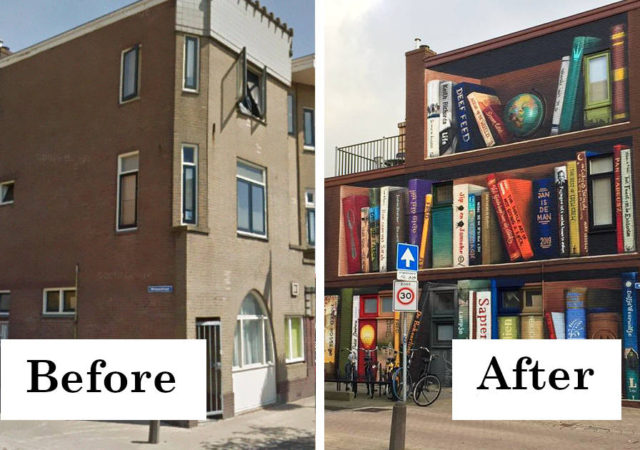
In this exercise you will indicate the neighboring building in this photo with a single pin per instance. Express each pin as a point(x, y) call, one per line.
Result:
point(146, 183)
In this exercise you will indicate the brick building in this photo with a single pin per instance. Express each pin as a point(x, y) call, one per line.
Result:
point(146, 191)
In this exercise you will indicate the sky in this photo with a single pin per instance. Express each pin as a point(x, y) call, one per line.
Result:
point(365, 43)
point(27, 22)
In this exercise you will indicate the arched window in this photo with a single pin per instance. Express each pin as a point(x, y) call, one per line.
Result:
point(252, 346)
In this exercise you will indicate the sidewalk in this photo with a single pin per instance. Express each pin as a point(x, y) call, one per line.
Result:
point(279, 427)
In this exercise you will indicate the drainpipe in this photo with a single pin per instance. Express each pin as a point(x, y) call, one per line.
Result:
point(75, 316)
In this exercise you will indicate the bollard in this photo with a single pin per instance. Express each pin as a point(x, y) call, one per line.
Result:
point(154, 431)
point(398, 426)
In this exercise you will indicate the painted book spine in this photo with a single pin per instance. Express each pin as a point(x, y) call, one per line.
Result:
point(351, 213)
point(545, 231)
point(562, 83)
point(397, 224)
point(483, 126)
point(442, 240)
point(426, 235)
point(468, 133)
point(515, 220)
point(472, 229)
point(558, 324)
point(583, 202)
point(630, 334)
point(493, 114)
point(483, 315)
point(462, 325)
point(572, 203)
point(364, 240)
point(549, 323)
point(619, 72)
point(447, 141)
point(531, 327)
point(461, 225)
point(355, 316)
point(626, 186)
point(384, 222)
point(374, 237)
point(473, 334)
point(433, 119)
point(576, 327)
point(560, 178)
point(618, 196)
point(508, 327)
point(418, 189)
point(478, 246)
point(507, 233)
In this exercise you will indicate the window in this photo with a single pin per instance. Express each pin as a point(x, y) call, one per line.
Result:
point(5, 302)
point(291, 114)
point(130, 77)
point(251, 88)
point(189, 183)
point(59, 301)
point(601, 188)
point(128, 191)
point(6, 192)
point(251, 199)
point(369, 306)
point(294, 339)
point(191, 63)
point(310, 206)
point(309, 134)
point(252, 342)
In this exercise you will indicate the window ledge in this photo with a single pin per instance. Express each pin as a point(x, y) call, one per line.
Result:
point(58, 315)
point(6, 203)
point(246, 234)
point(294, 361)
point(251, 367)
point(251, 116)
point(126, 230)
point(124, 102)
point(309, 148)
point(190, 91)
point(188, 228)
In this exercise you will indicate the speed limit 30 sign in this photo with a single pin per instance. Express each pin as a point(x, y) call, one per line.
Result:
point(405, 295)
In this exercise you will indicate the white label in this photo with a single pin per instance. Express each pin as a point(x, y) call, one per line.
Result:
point(407, 275)
point(92, 379)
point(536, 379)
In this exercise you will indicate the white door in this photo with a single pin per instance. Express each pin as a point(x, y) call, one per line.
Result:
point(254, 372)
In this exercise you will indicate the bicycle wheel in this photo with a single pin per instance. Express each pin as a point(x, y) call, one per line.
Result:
point(427, 390)
point(389, 388)
point(398, 387)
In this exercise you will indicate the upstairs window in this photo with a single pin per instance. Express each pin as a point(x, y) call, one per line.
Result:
point(291, 114)
point(5, 302)
point(130, 77)
point(252, 206)
point(191, 63)
point(310, 207)
point(189, 183)
point(251, 88)
point(6, 192)
point(59, 301)
point(309, 132)
point(128, 191)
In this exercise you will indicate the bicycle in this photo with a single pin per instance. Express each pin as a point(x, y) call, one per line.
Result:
point(389, 369)
point(350, 371)
point(429, 384)
point(369, 370)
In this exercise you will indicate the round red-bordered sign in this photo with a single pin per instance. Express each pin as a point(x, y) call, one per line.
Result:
point(399, 296)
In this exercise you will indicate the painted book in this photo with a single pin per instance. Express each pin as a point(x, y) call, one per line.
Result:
point(618, 196)
point(433, 119)
point(365, 248)
point(472, 229)
point(562, 83)
point(572, 96)
point(508, 238)
point(558, 324)
point(493, 114)
point(384, 226)
point(398, 199)
point(417, 191)
point(597, 89)
point(576, 326)
point(448, 138)
point(601, 224)
point(548, 321)
point(508, 327)
point(468, 132)
point(374, 228)
point(619, 73)
point(478, 101)
point(351, 207)
point(562, 210)
point(516, 197)
point(461, 223)
point(583, 202)
point(478, 242)
point(442, 236)
point(573, 206)
point(603, 325)
point(531, 327)
point(482, 312)
point(425, 241)
point(545, 225)
point(465, 287)
point(492, 247)
point(630, 334)
point(626, 186)
point(355, 316)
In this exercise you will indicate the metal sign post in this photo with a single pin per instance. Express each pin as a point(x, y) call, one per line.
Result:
point(404, 357)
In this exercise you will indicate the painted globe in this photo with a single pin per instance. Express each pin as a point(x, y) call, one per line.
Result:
point(367, 336)
point(523, 114)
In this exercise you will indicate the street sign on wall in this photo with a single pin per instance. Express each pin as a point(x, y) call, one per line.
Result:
point(405, 295)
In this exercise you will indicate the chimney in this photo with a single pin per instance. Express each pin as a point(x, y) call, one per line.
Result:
point(4, 51)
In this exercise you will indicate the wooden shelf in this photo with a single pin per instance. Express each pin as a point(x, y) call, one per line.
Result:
point(559, 265)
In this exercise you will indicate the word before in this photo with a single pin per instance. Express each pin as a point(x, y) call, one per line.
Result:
point(559, 379)
point(42, 370)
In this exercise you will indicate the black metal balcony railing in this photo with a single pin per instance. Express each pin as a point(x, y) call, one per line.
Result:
point(367, 156)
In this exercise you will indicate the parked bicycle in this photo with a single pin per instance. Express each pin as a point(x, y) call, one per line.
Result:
point(370, 369)
point(350, 370)
point(389, 369)
point(427, 389)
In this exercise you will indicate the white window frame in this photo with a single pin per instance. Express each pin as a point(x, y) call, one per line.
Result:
point(264, 236)
point(121, 100)
point(290, 343)
point(2, 313)
point(182, 166)
point(60, 311)
point(5, 183)
point(242, 69)
point(120, 173)
point(308, 205)
point(313, 129)
point(265, 358)
point(185, 88)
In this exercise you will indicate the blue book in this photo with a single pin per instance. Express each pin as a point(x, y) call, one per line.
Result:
point(630, 334)
point(478, 229)
point(471, 221)
point(576, 318)
point(469, 136)
point(442, 236)
point(545, 229)
point(418, 189)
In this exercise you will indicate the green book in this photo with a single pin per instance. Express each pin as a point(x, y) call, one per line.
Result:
point(572, 95)
point(442, 236)
point(508, 327)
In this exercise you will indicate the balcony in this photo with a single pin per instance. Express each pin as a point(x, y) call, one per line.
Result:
point(372, 155)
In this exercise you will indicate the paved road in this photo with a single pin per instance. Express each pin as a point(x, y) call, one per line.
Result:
point(366, 423)
point(290, 426)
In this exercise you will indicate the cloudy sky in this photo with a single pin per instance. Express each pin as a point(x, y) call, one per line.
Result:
point(365, 42)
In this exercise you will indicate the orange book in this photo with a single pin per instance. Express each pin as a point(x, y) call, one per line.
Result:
point(517, 196)
point(507, 234)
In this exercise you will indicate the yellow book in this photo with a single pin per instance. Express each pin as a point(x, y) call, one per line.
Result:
point(428, 202)
point(574, 221)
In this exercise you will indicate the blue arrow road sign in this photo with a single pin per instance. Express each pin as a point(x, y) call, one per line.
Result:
point(407, 257)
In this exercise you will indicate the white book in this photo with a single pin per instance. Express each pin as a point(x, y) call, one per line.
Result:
point(562, 84)
point(472, 308)
point(483, 315)
point(558, 324)
point(626, 187)
point(446, 118)
point(433, 119)
point(461, 222)
point(354, 325)
point(474, 99)
point(384, 221)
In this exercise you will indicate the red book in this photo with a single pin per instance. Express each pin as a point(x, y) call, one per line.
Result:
point(493, 114)
point(618, 194)
point(583, 203)
point(550, 327)
point(505, 227)
point(619, 72)
point(516, 197)
point(351, 208)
